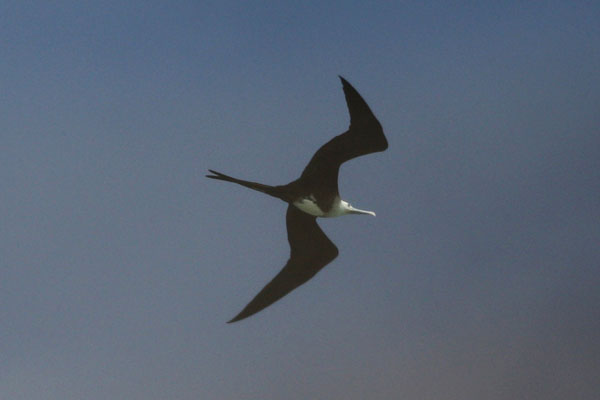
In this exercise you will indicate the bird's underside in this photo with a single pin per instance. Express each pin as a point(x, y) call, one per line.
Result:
point(310, 248)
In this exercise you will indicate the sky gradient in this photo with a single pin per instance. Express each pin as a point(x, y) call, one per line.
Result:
point(120, 263)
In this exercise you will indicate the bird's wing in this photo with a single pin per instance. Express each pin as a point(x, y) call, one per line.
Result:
point(311, 250)
point(364, 136)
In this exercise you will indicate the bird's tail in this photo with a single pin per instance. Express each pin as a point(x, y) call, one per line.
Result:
point(274, 191)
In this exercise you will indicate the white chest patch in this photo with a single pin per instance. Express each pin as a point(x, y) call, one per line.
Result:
point(309, 206)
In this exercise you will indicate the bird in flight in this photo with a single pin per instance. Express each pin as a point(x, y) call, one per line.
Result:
point(315, 194)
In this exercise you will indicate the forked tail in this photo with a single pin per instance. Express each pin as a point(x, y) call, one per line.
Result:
point(275, 191)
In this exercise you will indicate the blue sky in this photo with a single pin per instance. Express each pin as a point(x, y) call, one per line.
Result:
point(120, 263)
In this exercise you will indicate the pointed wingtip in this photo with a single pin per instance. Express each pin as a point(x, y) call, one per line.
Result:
point(344, 81)
point(242, 315)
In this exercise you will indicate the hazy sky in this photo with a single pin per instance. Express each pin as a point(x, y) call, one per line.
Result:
point(120, 263)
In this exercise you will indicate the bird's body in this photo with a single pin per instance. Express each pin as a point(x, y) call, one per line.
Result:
point(338, 207)
point(315, 194)
point(310, 206)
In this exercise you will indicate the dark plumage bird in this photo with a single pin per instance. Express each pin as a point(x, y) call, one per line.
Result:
point(315, 194)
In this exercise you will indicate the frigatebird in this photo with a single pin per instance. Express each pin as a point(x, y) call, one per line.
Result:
point(315, 194)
